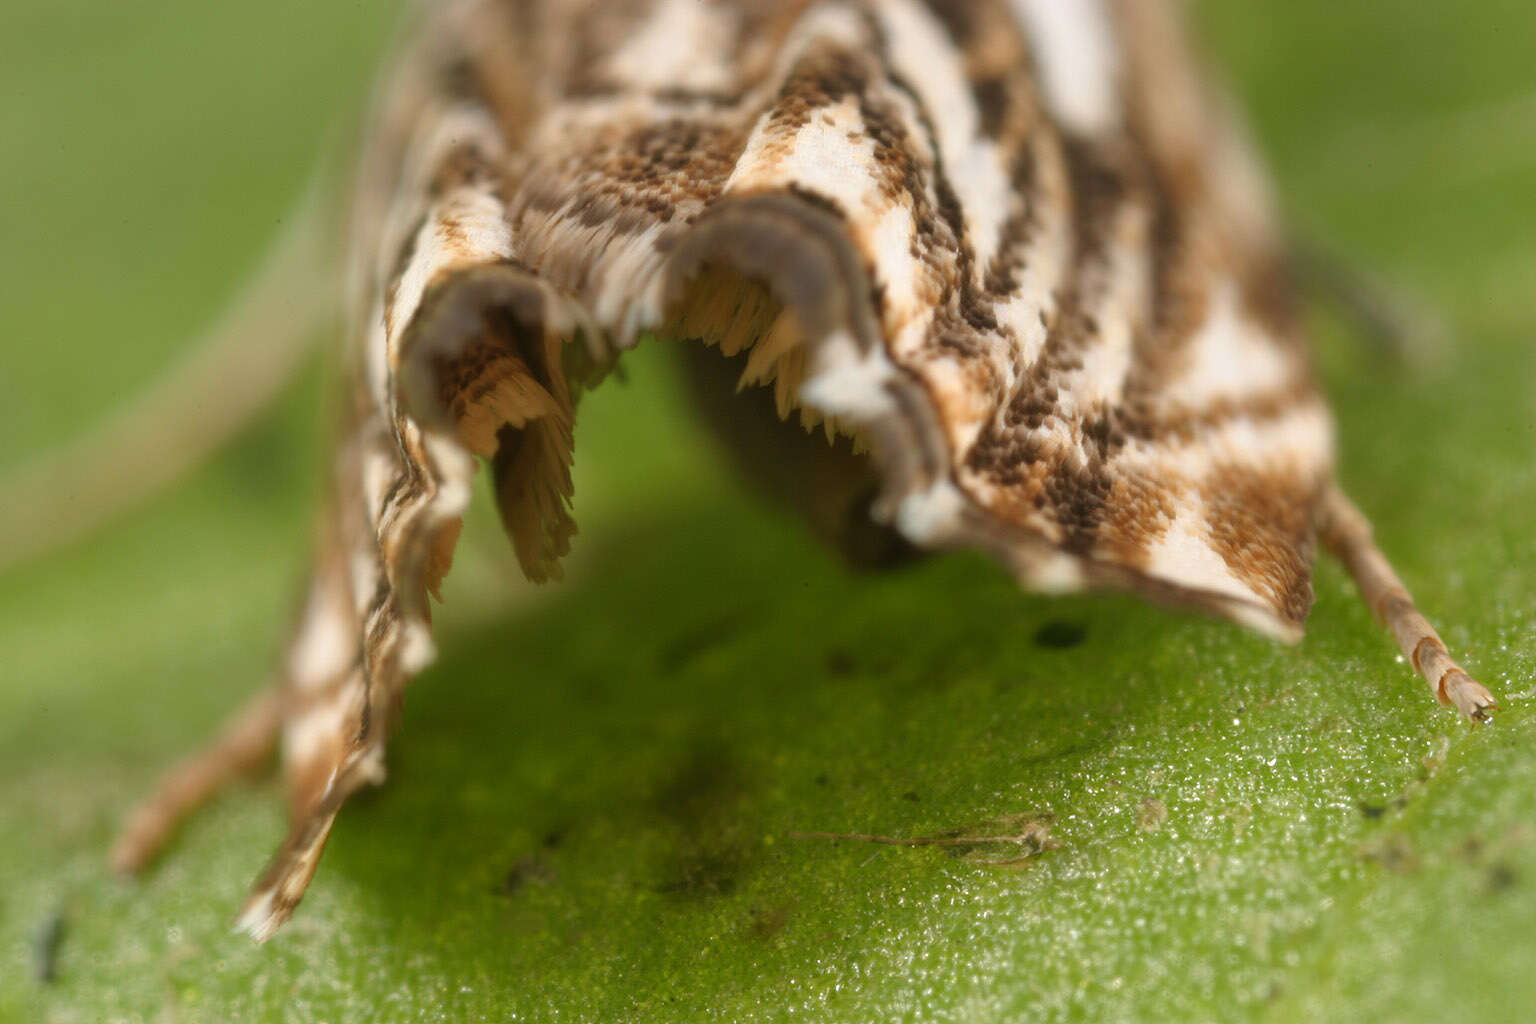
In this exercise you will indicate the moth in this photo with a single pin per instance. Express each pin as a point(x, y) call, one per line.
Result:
point(1014, 258)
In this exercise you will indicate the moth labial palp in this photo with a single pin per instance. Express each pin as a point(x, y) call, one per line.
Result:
point(1014, 258)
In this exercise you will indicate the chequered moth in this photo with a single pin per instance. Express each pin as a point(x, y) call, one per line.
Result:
point(1014, 257)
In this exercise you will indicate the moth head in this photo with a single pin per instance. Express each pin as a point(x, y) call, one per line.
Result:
point(754, 292)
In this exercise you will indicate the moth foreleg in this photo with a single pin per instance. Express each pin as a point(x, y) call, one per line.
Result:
point(1347, 534)
point(243, 745)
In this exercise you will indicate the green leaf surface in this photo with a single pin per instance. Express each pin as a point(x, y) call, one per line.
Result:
point(594, 802)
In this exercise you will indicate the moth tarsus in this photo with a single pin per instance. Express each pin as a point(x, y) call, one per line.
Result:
point(243, 744)
point(1347, 534)
point(1016, 256)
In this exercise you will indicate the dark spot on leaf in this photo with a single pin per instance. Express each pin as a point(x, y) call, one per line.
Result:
point(529, 870)
point(1372, 811)
point(705, 786)
point(1502, 876)
point(701, 805)
point(1394, 852)
point(910, 795)
point(45, 948)
point(703, 872)
point(839, 662)
point(1060, 635)
point(768, 922)
point(821, 780)
point(688, 647)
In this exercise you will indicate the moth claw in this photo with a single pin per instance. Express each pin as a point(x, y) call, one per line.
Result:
point(1473, 700)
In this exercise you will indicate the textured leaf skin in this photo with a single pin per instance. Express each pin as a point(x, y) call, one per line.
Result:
point(663, 751)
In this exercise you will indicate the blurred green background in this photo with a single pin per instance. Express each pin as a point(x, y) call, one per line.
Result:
point(592, 800)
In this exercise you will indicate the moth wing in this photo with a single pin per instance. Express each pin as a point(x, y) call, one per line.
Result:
point(1016, 251)
point(458, 352)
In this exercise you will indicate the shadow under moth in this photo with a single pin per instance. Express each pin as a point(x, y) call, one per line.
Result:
point(1012, 257)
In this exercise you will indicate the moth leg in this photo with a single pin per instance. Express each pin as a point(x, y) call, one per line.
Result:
point(242, 746)
point(332, 726)
point(246, 358)
point(1388, 319)
point(1347, 534)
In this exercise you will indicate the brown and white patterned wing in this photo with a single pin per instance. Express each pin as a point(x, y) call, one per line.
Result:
point(1014, 247)
point(1048, 292)
point(456, 353)
point(964, 232)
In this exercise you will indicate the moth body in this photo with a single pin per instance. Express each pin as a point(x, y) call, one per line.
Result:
point(1014, 259)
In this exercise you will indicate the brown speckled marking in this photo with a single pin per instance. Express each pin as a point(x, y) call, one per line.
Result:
point(1263, 534)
